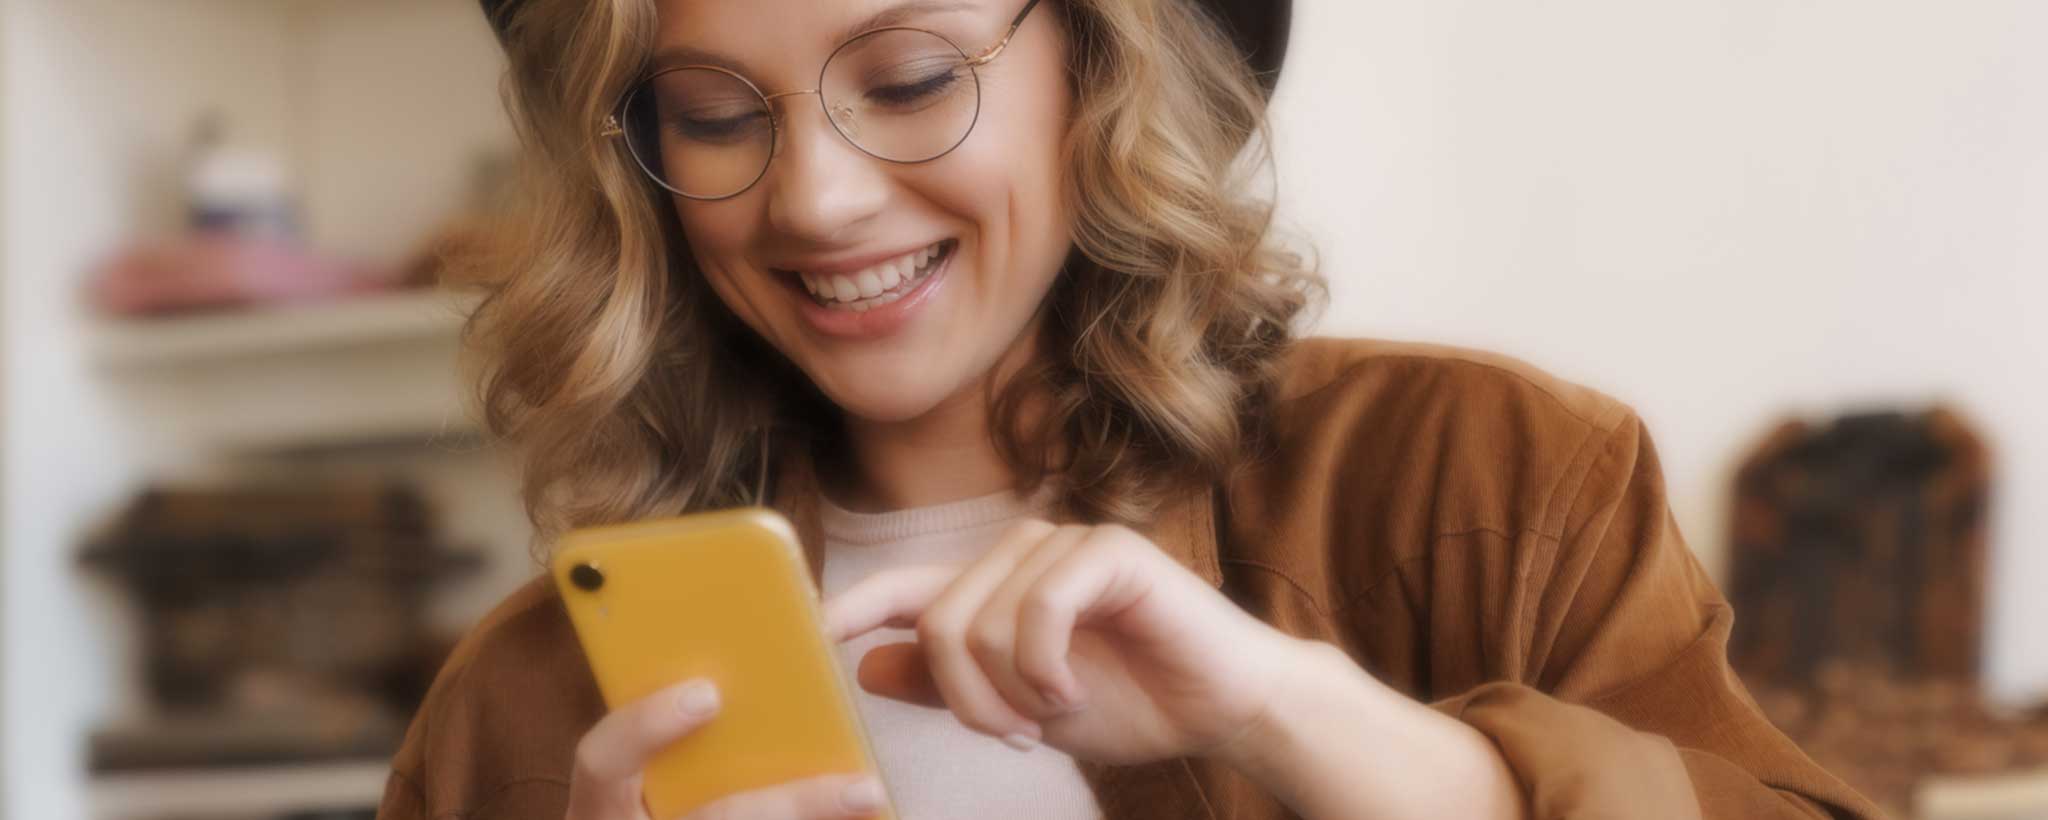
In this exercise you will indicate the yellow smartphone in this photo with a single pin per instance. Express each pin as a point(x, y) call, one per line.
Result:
point(725, 596)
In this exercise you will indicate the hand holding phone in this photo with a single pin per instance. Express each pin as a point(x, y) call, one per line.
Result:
point(720, 600)
point(613, 755)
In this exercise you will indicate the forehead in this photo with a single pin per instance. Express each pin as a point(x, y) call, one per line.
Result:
point(780, 40)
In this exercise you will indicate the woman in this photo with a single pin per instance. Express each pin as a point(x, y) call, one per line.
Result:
point(988, 269)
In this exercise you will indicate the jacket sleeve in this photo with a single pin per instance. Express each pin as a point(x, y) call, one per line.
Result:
point(1609, 692)
point(496, 735)
point(403, 800)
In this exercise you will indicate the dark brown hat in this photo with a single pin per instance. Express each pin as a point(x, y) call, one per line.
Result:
point(1259, 26)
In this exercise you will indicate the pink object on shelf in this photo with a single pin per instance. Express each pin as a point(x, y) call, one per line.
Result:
point(220, 270)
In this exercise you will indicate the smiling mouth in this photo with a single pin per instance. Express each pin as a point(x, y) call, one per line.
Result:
point(879, 284)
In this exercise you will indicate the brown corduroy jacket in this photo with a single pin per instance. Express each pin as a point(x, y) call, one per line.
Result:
point(1476, 533)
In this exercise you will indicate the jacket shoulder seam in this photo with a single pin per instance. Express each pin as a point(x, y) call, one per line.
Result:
point(1579, 466)
point(1598, 453)
point(1314, 601)
point(1401, 564)
point(1344, 375)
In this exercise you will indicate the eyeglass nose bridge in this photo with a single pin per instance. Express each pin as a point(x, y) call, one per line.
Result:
point(841, 115)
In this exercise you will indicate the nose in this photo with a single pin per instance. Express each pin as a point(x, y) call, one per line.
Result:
point(821, 189)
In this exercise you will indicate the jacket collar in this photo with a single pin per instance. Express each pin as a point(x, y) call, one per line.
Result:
point(1184, 527)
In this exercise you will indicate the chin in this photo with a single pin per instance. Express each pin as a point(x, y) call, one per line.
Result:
point(885, 394)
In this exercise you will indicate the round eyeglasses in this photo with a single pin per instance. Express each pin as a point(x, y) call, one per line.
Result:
point(897, 93)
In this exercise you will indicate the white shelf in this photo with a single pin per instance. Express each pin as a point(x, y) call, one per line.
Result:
point(2022, 796)
point(265, 791)
point(371, 369)
point(354, 321)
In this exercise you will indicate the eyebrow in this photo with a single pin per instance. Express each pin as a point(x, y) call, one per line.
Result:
point(895, 15)
point(899, 14)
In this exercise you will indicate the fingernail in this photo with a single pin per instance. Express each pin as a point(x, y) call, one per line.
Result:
point(862, 795)
point(1020, 741)
point(698, 699)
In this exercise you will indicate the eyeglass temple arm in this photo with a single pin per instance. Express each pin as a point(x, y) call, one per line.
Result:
point(1017, 23)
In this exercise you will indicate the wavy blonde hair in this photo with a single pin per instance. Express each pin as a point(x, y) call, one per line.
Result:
point(632, 391)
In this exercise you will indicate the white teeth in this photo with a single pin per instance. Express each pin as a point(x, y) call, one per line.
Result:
point(874, 287)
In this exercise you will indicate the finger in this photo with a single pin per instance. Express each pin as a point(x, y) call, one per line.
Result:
point(993, 636)
point(898, 671)
point(942, 631)
point(888, 598)
point(820, 798)
point(1090, 579)
point(611, 755)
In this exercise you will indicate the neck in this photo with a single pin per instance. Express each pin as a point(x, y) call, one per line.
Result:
point(946, 454)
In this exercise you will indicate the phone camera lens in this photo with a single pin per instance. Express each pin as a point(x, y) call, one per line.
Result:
point(586, 577)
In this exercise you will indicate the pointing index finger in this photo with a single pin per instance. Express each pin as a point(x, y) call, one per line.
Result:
point(889, 597)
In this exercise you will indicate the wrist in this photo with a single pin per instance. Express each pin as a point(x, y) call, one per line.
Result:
point(1336, 742)
point(1313, 674)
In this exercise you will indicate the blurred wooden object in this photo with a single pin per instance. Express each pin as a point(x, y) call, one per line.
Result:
point(1862, 540)
point(280, 622)
point(251, 578)
point(1858, 583)
point(1930, 745)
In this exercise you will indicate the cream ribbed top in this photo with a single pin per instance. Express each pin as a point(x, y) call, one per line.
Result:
point(936, 768)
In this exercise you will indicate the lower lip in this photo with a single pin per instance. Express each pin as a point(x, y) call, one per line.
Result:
point(873, 323)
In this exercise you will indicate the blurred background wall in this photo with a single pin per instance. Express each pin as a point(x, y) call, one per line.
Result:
point(1719, 212)
point(381, 108)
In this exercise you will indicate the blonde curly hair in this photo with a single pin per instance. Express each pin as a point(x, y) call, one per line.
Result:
point(631, 391)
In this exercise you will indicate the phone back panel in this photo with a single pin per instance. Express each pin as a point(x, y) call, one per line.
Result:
point(724, 596)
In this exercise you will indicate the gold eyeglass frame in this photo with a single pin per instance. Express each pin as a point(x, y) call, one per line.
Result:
point(611, 127)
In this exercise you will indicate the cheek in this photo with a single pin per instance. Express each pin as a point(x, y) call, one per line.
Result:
point(713, 232)
point(718, 241)
point(1008, 181)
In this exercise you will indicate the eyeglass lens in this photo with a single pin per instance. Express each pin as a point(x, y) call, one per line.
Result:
point(898, 94)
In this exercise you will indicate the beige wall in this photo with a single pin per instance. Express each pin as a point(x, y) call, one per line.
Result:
point(1719, 212)
point(430, 70)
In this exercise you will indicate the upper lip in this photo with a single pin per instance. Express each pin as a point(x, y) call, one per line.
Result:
point(845, 264)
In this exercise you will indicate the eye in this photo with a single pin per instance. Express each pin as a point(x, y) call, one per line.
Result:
point(729, 124)
point(920, 83)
